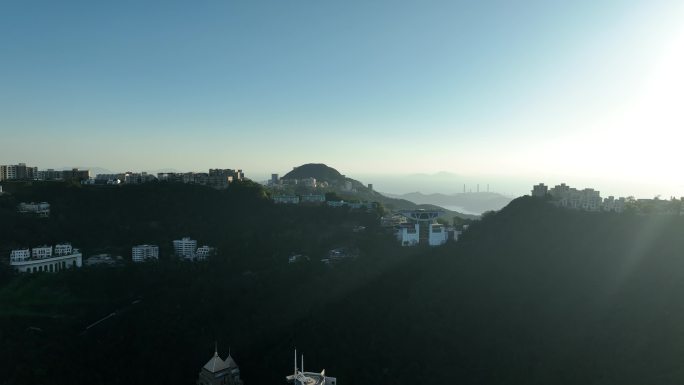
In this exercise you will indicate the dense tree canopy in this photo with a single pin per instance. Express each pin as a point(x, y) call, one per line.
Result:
point(532, 294)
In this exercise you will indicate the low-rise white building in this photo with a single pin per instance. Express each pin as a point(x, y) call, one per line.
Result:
point(422, 228)
point(204, 252)
point(407, 234)
point(104, 260)
point(286, 199)
point(41, 209)
point(312, 198)
point(142, 253)
point(438, 234)
point(42, 259)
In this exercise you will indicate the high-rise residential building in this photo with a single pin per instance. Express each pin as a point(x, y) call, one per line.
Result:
point(587, 199)
point(138, 178)
point(50, 174)
point(18, 171)
point(142, 253)
point(540, 190)
point(185, 247)
point(76, 175)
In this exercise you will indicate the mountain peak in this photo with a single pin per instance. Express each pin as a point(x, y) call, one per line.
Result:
point(319, 171)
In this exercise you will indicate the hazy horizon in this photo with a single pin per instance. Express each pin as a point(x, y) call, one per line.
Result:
point(443, 182)
point(587, 93)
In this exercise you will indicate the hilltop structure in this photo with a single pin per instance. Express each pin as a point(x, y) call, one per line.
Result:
point(421, 228)
point(300, 377)
point(220, 372)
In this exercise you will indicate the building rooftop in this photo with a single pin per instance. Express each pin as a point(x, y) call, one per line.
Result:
point(216, 364)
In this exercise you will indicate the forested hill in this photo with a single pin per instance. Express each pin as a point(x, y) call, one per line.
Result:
point(319, 171)
point(532, 294)
point(240, 221)
point(337, 181)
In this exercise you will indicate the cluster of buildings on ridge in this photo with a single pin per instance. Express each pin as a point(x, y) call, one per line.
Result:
point(23, 172)
point(226, 372)
point(217, 178)
point(589, 199)
point(185, 248)
point(63, 256)
point(281, 183)
point(293, 199)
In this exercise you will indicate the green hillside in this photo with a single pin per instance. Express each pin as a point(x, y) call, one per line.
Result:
point(532, 294)
point(315, 170)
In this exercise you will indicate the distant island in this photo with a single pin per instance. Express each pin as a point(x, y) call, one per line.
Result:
point(469, 203)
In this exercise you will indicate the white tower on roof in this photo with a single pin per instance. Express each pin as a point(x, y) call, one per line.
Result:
point(300, 377)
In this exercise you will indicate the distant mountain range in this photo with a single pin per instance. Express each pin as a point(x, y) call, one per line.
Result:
point(471, 203)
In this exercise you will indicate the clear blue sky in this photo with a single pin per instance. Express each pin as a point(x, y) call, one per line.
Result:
point(530, 89)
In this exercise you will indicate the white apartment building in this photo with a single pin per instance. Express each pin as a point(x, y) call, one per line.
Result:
point(185, 247)
point(407, 234)
point(42, 259)
point(614, 205)
point(422, 229)
point(18, 171)
point(142, 253)
point(540, 190)
point(438, 234)
point(566, 196)
point(138, 178)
